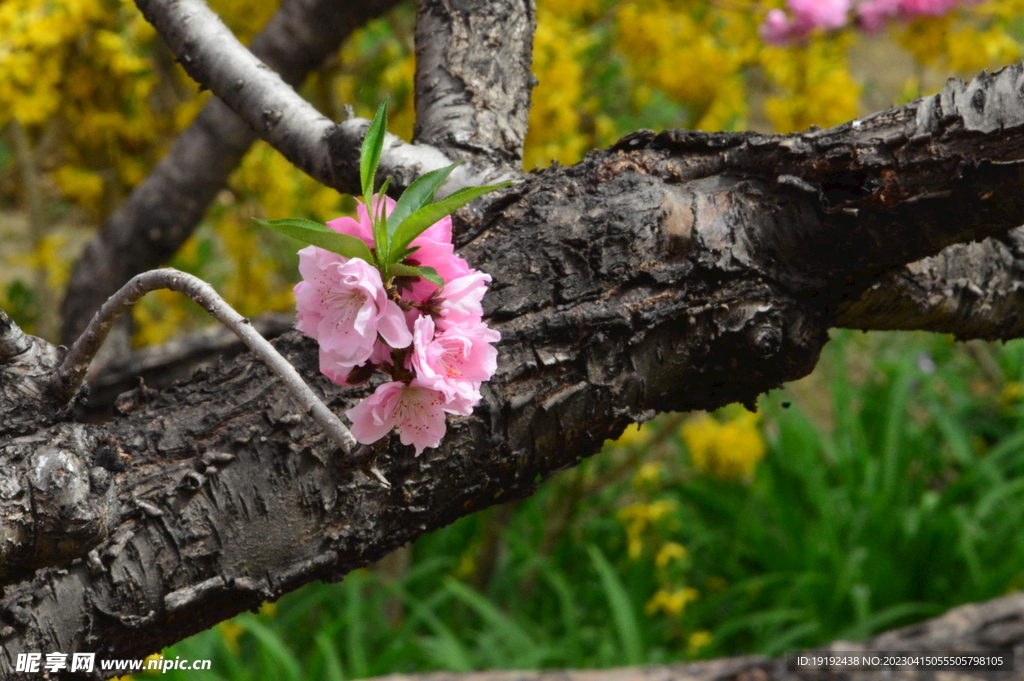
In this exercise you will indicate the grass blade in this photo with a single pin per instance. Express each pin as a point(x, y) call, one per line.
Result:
point(626, 624)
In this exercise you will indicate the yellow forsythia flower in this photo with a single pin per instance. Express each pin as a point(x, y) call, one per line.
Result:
point(729, 451)
point(698, 640)
point(672, 603)
point(670, 552)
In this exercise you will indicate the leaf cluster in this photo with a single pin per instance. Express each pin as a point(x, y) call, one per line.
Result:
point(393, 234)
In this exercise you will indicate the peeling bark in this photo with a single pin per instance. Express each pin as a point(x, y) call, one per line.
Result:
point(473, 78)
point(970, 290)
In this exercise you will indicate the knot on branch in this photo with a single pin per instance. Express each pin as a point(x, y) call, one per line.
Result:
point(59, 507)
point(27, 367)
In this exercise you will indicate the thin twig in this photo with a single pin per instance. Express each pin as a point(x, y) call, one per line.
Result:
point(71, 373)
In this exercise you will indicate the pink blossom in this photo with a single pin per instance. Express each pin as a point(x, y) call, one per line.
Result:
point(775, 28)
point(456, 360)
point(433, 246)
point(779, 28)
point(873, 14)
point(416, 411)
point(362, 228)
point(461, 299)
point(441, 256)
point(342, 303)
point(823, 14)
point(927, 8)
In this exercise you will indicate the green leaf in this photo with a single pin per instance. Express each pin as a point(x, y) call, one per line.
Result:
point(373, 145)
point(316, 234)
point(420, 220)
point(428, 273)
point(380, 220)
point(419, 194)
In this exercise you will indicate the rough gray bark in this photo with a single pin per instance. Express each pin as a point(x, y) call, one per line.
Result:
point(70, 375)
point(473, 78)
point(159, 366)
point(970, 290)
point(163, 211)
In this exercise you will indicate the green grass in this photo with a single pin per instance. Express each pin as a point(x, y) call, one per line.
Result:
point(902, 501)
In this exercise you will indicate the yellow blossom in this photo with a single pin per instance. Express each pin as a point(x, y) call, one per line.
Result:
point(648, 474)
point(697, 640)
point(634, 434)
point(1011, 394)
point(669, 552)
point(672, 603)
point(269, 609)
point(637, 518)
point(229, 633)
point(729, 451)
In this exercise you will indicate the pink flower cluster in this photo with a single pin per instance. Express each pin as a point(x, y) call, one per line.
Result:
point(873, 14)
point(806, 16)
point(432, 341)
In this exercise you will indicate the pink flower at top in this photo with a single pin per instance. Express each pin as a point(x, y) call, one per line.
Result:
point(823, 14)
point(342, 304)
point(775, 28)
point(456, 360)
point(779, 28)
point(433, 247)
point(873, 14)
point(416, 411)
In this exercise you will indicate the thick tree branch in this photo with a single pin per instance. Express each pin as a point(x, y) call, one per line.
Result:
point(970, 290)
point(473, 78)
point(162, 212)
point(213, 57)
point(177, 359)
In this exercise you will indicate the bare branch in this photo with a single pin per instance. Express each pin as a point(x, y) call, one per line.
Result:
point(13, 340)
point(72, 370)
point(177, 359)
point(162, 212)
point(213, 56)
point(970, 290)
point(473, 78)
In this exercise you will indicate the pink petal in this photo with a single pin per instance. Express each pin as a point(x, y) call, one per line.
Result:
point(374, 417)
point(392, 327)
